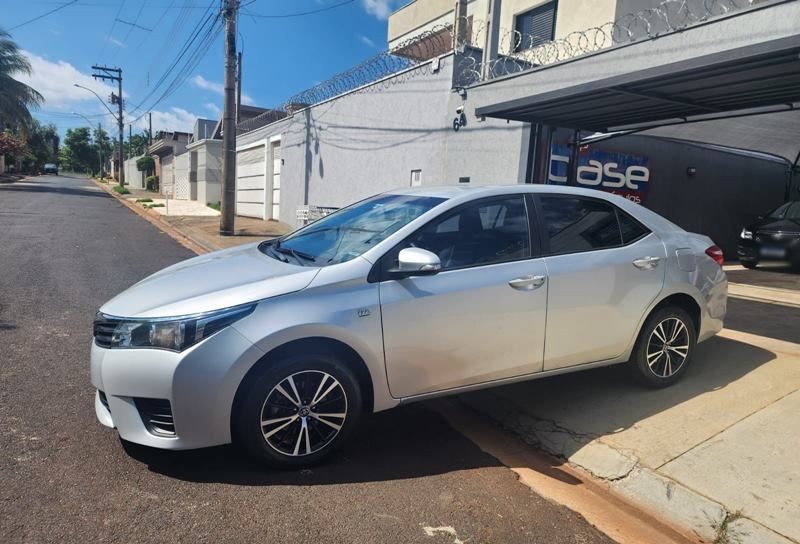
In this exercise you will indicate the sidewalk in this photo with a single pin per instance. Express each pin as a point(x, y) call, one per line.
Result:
point(195, 222)
point(716, 453)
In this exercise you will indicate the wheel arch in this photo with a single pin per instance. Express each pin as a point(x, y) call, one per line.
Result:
point(684, 301)
point(312, 344)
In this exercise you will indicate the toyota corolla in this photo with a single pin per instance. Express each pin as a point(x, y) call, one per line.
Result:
point(283, 345)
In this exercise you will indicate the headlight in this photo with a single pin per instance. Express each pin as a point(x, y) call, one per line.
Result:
point(173, 333)
point(746, 234)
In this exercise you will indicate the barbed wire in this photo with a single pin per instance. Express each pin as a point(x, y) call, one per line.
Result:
point(516, 52)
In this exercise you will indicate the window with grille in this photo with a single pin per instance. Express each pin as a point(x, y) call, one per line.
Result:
point(536, 26)
point(416, 178)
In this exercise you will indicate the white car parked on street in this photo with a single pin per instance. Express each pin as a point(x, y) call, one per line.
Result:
point(281, 346)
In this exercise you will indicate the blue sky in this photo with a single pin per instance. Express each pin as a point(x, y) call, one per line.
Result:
point(282, 56)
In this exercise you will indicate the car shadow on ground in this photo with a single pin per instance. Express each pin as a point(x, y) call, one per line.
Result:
point(776, 275)
point(575, 409)
point(408, 442)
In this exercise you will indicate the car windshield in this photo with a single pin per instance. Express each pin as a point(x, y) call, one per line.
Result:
point(790, 210)
point(349, 232)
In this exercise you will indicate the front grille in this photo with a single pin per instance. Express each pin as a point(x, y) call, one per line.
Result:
point(104, 400)
point(775, 236)
point(156, 415)
point(104, 330)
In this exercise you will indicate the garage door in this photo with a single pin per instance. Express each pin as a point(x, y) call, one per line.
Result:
point(251, 182)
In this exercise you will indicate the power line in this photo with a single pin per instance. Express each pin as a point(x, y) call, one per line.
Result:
point(140, 27)
point(62, 6)
point(298, 14)
point(111, 31)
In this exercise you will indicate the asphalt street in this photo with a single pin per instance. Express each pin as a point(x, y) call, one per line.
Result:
point(407, 477)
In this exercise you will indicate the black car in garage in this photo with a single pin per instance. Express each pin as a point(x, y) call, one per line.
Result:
point(773, 237)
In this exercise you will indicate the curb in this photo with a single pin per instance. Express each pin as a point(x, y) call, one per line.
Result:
point(189, 242)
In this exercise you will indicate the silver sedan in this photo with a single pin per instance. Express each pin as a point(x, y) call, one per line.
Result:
point(281, 346)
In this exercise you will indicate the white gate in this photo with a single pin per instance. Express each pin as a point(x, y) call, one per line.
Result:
point(182, 186)
point(251, 182)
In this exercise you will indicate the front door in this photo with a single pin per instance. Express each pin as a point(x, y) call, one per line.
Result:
point(604, 269)
point(481, 318)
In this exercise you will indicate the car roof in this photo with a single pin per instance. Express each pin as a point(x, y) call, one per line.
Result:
point(474, 191)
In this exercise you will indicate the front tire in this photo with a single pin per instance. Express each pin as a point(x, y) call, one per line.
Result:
point(664, 348)
point(749, 264)
point(298, 410)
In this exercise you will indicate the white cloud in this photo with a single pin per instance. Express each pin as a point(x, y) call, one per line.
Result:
point(379, 8)
point(213, 108)
point(366, 41)
point(171, 120)
point(217, 88)
point(116, 42)
point(55, 81)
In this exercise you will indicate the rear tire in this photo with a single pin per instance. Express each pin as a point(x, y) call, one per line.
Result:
point(749, 264)
point(298, 410)
point(664, 348)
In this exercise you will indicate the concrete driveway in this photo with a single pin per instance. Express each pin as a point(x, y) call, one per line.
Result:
point(717, 452)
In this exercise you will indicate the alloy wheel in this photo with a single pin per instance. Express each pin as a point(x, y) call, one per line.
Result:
point(668, 347)
point(303, 413)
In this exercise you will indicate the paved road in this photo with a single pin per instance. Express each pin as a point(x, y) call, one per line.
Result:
point(66, 248)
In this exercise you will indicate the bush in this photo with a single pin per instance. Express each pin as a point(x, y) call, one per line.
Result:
point(215, 205)
point(145, 164)
point(144, 200)
point(151, 183)
point(148, 206)
point(122, 190)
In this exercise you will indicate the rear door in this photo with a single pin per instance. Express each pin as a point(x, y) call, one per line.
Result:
point(604, 268)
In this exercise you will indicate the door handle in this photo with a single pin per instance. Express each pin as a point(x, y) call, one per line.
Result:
point(527, 283)
point(646, 263)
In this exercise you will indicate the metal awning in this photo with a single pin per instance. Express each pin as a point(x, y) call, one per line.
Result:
point(748, 80)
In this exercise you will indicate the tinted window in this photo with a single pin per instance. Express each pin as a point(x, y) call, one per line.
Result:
point(579, 224)
point(483, 233)
point(631, 229)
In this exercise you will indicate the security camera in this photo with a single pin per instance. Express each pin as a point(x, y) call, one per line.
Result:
point(460, 109)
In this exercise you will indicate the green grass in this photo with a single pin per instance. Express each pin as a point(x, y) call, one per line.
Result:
point(144, 200)
point(214, 205)
point(148, 206)
point(122, 190)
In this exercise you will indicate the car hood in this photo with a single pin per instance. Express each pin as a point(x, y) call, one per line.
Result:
point(217, 280)
point(778, 225)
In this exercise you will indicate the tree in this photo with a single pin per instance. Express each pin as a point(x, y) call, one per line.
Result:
point(10, 145)
point(42, 144)
point(16, 98)
point(82, 154)
point(136, 145)
point(145, 164)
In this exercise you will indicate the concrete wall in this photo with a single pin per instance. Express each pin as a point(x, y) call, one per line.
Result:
point(134, 178)
point(367, 142)
point(206, 170)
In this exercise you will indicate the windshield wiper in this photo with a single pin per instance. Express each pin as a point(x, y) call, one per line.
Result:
point(293, 252)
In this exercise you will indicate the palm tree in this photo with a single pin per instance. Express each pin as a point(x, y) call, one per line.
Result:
point(16, 98)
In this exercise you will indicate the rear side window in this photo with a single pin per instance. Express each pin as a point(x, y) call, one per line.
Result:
point(575, 224)
point(631, 229)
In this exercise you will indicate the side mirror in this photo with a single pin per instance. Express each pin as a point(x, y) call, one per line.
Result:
point(414, 261)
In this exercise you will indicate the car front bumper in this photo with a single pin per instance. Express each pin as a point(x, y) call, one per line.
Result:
point(200, 384)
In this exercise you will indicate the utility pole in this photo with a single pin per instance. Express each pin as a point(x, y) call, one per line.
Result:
point(130, 143)
point(226, 221)
point(100, 147)
point(150, 129)
point(238, 88)
point(107, 73)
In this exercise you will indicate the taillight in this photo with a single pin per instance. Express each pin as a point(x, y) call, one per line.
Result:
point(716, 253)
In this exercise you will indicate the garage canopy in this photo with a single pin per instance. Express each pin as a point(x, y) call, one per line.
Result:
point(754, 79)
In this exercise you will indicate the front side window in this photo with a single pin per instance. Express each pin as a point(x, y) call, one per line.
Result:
point(349, 232)
point(481, 233)
point(577, 224)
